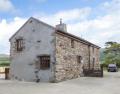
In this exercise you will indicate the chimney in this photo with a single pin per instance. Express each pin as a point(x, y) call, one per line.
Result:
point(61, 26)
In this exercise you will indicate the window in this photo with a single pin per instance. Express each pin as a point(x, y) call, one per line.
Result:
point(19, 44)
point(79, 59)
point(93, 63)
point(72, 43)
point(44, 62)
point(93, 49)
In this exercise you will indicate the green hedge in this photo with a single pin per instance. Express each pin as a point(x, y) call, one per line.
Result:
point(4, 64)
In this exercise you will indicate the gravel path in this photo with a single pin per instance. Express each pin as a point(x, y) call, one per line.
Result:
point(110, 84)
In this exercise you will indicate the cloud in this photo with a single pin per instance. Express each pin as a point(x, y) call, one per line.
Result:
point(67, 15)
point(6, 5)
point(102, 28)
point(98, 30)
point(113, 6)
point(7, 29)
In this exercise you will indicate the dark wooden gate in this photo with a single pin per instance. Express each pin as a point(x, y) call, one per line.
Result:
point(93, 73)
point(6, 73)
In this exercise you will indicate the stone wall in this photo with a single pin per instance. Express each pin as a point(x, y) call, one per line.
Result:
point(94, 53)
point(67, 66)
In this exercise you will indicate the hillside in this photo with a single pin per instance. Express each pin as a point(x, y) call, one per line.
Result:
point(4, 60)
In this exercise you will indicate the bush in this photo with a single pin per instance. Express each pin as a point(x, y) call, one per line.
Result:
point(4, 64)
point(104, 65)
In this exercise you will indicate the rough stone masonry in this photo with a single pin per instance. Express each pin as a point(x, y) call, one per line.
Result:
point(67, 64)
point(40, 52)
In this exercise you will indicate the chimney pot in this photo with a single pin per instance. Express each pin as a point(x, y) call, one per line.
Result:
point(61, 26)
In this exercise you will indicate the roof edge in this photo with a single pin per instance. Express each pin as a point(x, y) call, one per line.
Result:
point(19, 29)
point(43, 22)
point(78, 38)
point(26, 23)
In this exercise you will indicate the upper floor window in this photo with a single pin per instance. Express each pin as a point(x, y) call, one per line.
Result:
point(93, 49)
point(19, 44)
point(72, 43)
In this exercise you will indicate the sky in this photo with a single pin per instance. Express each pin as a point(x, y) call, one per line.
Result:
point(97, 21)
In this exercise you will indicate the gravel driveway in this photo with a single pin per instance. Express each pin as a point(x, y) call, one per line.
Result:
point(110, 84)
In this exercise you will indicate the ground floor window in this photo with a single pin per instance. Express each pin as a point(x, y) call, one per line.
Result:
point(79, 59)
point(44, 62)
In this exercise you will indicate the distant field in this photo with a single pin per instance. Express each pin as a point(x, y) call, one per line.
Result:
point(4, 60)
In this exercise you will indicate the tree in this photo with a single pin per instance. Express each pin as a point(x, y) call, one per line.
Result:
point(112, 53)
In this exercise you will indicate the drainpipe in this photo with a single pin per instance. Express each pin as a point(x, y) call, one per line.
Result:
point(89, 56)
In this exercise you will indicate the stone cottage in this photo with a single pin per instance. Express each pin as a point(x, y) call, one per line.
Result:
point(40, 52)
